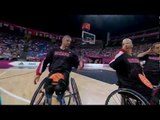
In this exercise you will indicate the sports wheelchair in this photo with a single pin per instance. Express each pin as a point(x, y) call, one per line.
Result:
point(126, 96)
point(39, 95)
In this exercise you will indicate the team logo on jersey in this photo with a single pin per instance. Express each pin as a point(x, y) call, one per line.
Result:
point(60, 53)
point(154, 58)
point(133, 60)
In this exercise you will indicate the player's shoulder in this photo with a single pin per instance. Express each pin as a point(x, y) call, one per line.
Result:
point(120, 52)
point(147, 56)
point(152, 55)
point(55, 49)
point(72, 51)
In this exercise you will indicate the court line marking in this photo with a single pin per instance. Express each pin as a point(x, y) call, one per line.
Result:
point(11, 94)
point(14, 96)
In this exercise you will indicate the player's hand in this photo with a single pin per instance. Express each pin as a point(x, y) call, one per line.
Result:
point(81, 65)
point(36, 79)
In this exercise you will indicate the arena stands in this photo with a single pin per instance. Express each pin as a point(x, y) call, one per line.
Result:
point(16, 46)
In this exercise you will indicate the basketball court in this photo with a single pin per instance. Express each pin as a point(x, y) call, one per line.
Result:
point(17, 87)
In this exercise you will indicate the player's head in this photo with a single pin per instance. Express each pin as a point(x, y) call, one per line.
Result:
point(127, 44)
point(156, 47)
point(66, 41)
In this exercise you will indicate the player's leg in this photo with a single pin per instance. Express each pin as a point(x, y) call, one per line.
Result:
point(61, 87)
point(49, 90)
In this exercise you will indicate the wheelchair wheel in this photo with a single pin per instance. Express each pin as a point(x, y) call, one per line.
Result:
point(38, 96)
point(75, 92)
point(68, 96)
point(125, 96)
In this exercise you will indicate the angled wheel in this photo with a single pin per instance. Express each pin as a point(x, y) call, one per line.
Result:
point(68, 96)
point(38, 96)
point(75, 92)
point(125, 96)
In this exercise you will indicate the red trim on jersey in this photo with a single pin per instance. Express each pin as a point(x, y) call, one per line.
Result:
point(39, 68)
point(116, 56)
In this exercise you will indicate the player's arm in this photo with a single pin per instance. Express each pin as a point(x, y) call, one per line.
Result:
point(77, 63)
point(141, 55)
point(116, 61)
point(43, 65)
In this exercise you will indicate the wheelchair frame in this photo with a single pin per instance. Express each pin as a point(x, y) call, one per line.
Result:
point(62, 101)
point(126, 97)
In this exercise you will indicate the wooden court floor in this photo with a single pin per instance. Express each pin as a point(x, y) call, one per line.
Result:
point(17, 88)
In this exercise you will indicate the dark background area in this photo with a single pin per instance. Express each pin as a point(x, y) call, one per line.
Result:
point(66, 17)
point(100, 24)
